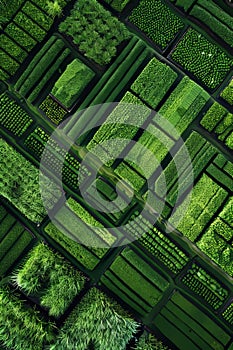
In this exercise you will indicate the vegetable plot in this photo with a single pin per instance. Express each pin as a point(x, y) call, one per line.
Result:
point(94, 30)
point(13, 117)
point(200, 57)
point(157, 21)
point(227, 93)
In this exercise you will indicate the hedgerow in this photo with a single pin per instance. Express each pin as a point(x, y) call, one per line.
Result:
point(94, 30)
point(29, 26)
point(204, 60)
point(157, 21)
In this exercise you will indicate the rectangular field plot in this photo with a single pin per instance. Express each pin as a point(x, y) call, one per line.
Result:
point(135, 282)
point(14, 239)
point(157, 21)
point(188, 327)
point(200, 57)
point(21, 185)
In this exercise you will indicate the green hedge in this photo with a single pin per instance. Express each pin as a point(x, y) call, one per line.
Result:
point(29, 26)
point(38, 16)
point(227, 93)
point(20, 36)
point(11, 48)
point(157, 21)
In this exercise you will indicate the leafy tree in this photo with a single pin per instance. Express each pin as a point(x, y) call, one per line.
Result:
point(54, 8)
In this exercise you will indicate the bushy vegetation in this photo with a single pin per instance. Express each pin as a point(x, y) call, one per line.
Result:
point(148, 342)
point(118, 5)
point(200, 57)
point(20, 184)
point(94, 30)
point(13, 117)
point(97, 321)
point(228, 314)
point(227, 93)
point(72, 82)
point(53, 110)
point(22, 327)
point(50, 276)
point(157, 21)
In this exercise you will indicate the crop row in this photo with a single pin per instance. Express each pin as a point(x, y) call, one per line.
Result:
point(184, 4)
point(227, 93)
point(211, 14)
point(53, 110)
point(215, 242)
point(50, 277)
point(205, 286)
point(20, 184)
point(109, 86)
point(136, 282)
point(94, 30)
point(13, 240)
point(79, 224)
point(158, 244)
point(13, 117)
point(207, 197)
point(228, 314)
point(72, 82)
point(200, 57)
point(87, 256)
point(189, 327)
point(41, 69)
point(56, 159)
point(219, 121)
point(157, 21)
